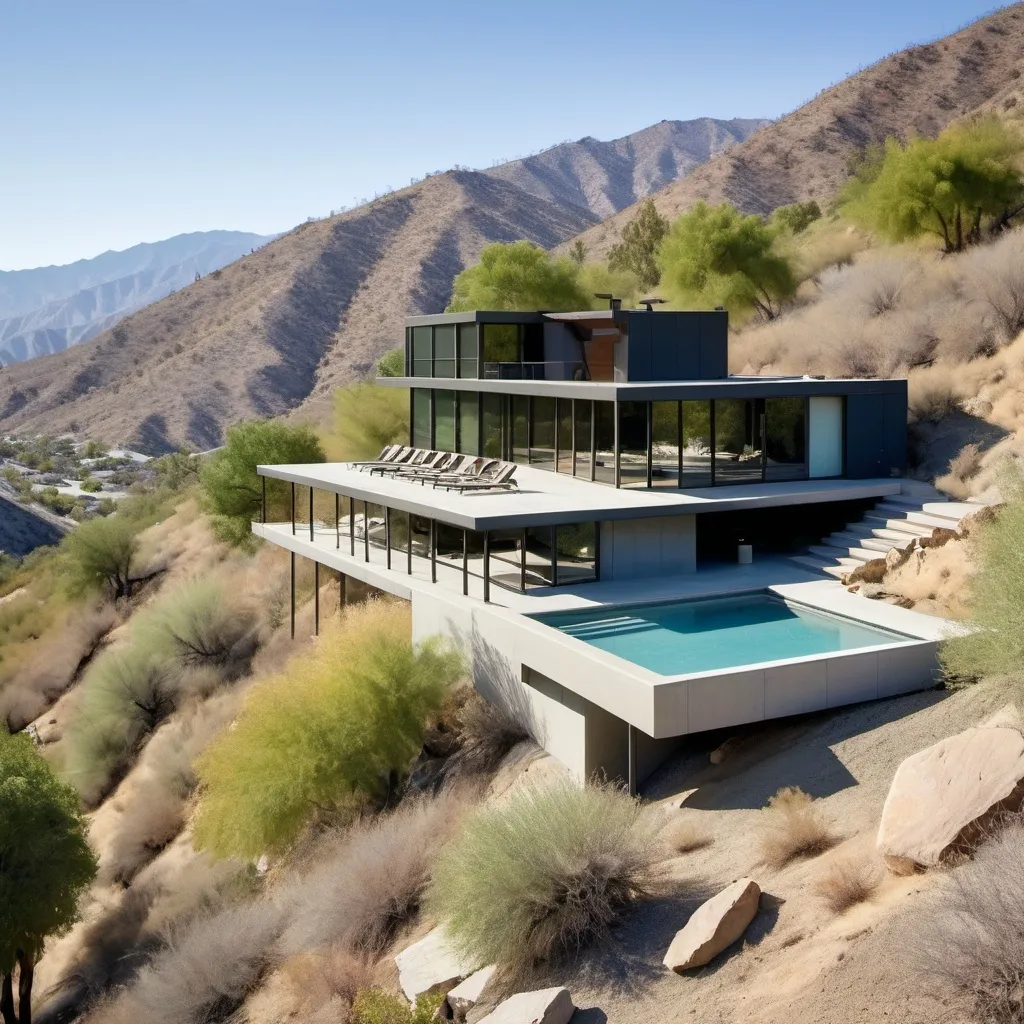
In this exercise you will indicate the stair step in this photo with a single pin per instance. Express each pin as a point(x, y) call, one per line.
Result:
point(828, 551)
point(903, 526)
point(859, 540)
point(838, 571)
point(815, 564)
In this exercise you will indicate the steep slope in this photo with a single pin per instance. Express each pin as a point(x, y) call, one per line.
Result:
point(48, 309)
point(805, 154)
point(280, 326)
point(606, 176)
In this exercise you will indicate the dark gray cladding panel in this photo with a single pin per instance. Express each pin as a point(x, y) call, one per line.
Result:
point(876, 432)
point(677, 346)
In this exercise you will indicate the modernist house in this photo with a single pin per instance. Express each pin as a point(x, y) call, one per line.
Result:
point(631, 583)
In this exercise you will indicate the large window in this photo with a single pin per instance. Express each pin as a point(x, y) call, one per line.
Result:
point(739, 453)
point(564, 435)
point(444, 421)
point(604, 450)
point(422, 353)
point(493, 435)
point(469, 423)
point(444, 350)
point(520, 428)
point(542, 440)
point(467, 351)
point(785, 443)
point(421, 418)
point(666, 428)
point(697, 447)
point(633, 444)
point(583, 415)
point(500, 349)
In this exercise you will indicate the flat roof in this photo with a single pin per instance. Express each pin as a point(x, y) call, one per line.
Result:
point(639, 391)
point(547, 499)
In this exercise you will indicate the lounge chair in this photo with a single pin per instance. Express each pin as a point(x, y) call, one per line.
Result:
point(502, 479)
point(455, 464)
point(387, 453)
point(474, 466)
point(431, 462)
point(418, 458)
point(402, 455)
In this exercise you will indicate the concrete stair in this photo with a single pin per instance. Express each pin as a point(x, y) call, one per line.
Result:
point(893, 523)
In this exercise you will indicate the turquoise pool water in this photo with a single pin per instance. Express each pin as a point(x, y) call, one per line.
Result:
point(721, 632)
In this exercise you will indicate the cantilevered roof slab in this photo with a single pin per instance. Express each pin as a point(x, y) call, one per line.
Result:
point(547, 499)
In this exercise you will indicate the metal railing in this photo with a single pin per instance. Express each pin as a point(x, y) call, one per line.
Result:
point(551, 370)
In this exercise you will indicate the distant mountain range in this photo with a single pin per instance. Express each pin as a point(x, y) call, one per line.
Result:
point(49, 309)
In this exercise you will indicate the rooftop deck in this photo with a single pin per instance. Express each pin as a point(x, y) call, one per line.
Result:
point(548, 499)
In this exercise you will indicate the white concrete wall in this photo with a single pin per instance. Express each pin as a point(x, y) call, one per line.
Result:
point(635, 548)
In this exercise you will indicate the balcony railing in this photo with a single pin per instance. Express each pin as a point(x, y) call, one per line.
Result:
point(553, 370)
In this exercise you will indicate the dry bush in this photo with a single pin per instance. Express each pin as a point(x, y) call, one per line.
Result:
point(153, 817)
point(793, 827)
point(962, 468)
point(327, 979)
point(968, 945)
point(936, 581)
point(486, 733)
point(683, 836)
point(848, 881)
point(935, 392)
point(373, 879)
point(994, 274)
point(207, 969)
point(877, 287)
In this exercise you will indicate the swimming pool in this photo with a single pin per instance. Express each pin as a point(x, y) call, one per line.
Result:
point(715, 633)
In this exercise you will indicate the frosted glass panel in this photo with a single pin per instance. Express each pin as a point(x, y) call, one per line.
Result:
point(825, 457)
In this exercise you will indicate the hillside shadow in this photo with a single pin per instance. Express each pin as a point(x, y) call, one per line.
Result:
point(769, 755)
point(151, 436)
point(22, 531)
point(933, 445)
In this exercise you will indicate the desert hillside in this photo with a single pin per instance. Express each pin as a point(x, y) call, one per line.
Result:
point(49, 309)
point(805, 155)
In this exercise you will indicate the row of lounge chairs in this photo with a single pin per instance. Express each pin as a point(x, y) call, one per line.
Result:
point(441, 469)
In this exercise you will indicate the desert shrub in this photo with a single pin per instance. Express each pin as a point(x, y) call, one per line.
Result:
point(232, 489)
point(487, 732)
point(544, 874)
point(962, 467)
point(151, 820)
point(847, 881)
point(325, 735)
point(373, 879)
point(793, 828)
point(684, 836)
point(101, 553)
point(968, 945)
point(366, 418)
point(207, 969)
point(374, 1006)
point(326, 983)
point(934, 393)
point(91, 485)
point(201, 625)
point(795, 217)
point(995, 642)
point(636, 251)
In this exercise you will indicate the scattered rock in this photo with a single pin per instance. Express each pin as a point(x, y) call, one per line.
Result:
point(680, 801)
point(466, 994)
point(941, 797)
point(548, 1006)
point(896, 557)
point(430, 963)
point(940, 536)
point(714, 926)
point(984, 515)
point(870, 572)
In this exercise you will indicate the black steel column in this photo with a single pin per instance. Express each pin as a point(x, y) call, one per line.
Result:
point(597, 551)
point(408, 545)
point(713, 440)
point(341, 590)
point(679, 443)
point(293, 508)
point(631, 778)
point(387, 536)
point(316, 598)
point(487, 566)
point(352, 526)
point(593, 440)
point(650, 444)
point(337, 520)
point(572, 413)
point(311, 512)
point(554, 556)
point(618, 451)
point(293, 592)
point(433, 550)
point(465, 561)
point(263, 502)
point(366, 532)
point(522, 561)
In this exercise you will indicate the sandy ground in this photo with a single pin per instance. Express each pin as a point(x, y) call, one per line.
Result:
point(798, 963)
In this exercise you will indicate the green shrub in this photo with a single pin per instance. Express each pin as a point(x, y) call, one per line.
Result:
point(324, 736)
point(372, 1006)
point(546, 873)
point(233, 490)
point(366, 418)
point(91, 485)
point(995, 644)
point(101, 553)
point(638, 248)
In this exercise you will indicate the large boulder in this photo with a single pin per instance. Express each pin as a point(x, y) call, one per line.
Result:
point(466, 994)
point(941, 797)
point(430, 963)
point(548, 1006)
point(714, 926)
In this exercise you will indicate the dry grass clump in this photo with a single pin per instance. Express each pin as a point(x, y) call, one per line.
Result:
point(964, 466)
point(848, 881)
point(682, 836)
point(373, 879)
point(155, 816)
point(486, 733)
point(937, 581)
point(793, 828)
point(327, 982)
point(934, 393)
point(545, 874)
point(969, 944)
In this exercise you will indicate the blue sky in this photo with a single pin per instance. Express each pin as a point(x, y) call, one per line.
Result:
point(128, 122)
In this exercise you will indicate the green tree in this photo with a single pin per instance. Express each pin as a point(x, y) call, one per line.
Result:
point(101, 554)
point(45, 867)
point(637, 252)
point(366, 418)
point(232, 489)
point(392, 364)
point(325, 737)
point(716, 256)
point(519, 276)
point(578, 252)
point(947, 186)
point(795, 217)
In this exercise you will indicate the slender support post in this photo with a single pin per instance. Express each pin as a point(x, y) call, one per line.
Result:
point(593, 440)
point(465, 561)
point(558, 451)
point(522, 561)
point(618, 448)
point(597, 551)
point(408, 545)
point(342, 596)
point(387, 536)
point(311, 512)
point(679, 443)
point(487, 566)
point(572, 413)
point(293, 508)
point(631, 780)
point(713, 440)
point(366, 532)
point(293, 593)
point(263, 502)
point(554, 556)
point(433, 550)
point(337, 521)
point(316, 599)
point(352, 526)
point(650, 443)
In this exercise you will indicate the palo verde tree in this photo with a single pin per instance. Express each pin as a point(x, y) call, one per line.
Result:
point(714, 255)
point(45, 867)
point(100, 554)
point(796, 217)
point(638, 250)
point(519, 276)
point(951, 186)
point(232, 489)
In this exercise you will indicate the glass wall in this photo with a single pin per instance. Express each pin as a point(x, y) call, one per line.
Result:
point(422, 353)
point(493, 425)
point(633, 444)
point(500, 349)
point(583, 416)
point(520, 428)
point(604, 444)
point(468, 441)
point(444, 421)
point(697, 448)
point(467, 350)
point(575, 553)
point(785, 442)
point(563, 434)
point(542, 440)
point(421, 434)
point(666, 443)
point(739, 454)
point(444, 350)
